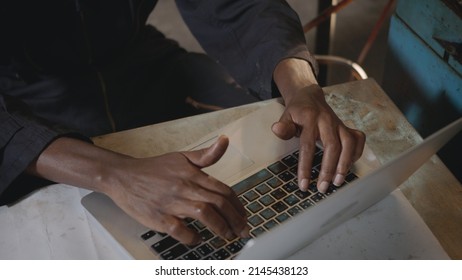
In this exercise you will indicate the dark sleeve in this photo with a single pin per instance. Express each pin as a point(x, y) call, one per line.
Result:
point(23, 136)
point(249, 37)
point(22, 139)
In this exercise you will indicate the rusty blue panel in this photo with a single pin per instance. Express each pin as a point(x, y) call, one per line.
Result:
point(430, 19)
point(422, 64)
point(422, 79)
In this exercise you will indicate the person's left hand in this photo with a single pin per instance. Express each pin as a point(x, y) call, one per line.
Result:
point(308, 116)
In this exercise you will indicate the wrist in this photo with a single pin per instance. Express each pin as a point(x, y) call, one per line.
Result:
point(78, 163)
point(291, 75)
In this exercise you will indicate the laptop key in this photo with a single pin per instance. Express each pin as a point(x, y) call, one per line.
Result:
point(251, 181)
point(306, 204)
point(314, 174)
point(278, 193)
point(258, 231)
point(277, 167)
point(148, 235)
point(244, 241)
point(290, 187)
point(350, 177)
point(199, 225)
point(282, 218)
point(317, 158)
point(188, 220)
point(290, 160)
point(312, 187)
point(266, 200)
point(274, 182)
point(270, 224)
point(164, 244)
point(331, 189)
point(296, 154)
point(234, 247)
point(268, 213)
point(294, 170)
point(205, 249)
point(175, 252)
point(206, 234)
point(263, 189)
point(294, 210)
point(291, 200)
point(217, 242)
point(254, 207)
point(317, 197)
point(251, 195)
point(191, 226)
point(255, 220)
point(279, 206)
point(302, 195)
point(221, 254)
point(286, 176)
point(192, 256)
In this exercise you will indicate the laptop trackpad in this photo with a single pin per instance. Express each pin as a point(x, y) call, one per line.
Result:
point(232, 162)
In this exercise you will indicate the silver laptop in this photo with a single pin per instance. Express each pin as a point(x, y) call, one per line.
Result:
point(261, 169)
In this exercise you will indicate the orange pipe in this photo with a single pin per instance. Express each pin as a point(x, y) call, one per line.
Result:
point(325, 15)
point(375, 32)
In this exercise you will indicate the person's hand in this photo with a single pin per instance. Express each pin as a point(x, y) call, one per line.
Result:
point(308, 116)
point(160, 191)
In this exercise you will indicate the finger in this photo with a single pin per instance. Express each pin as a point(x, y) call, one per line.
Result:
point(306, 155)
point(212, 184)
point(352, 147)
point(285, 128)
point(208, 156)
point(208, 215)
point(226, 204)
point(332, 149)
point(360, 143)
point(176, 228)
point(202, 180)
point(346, 156)
point(173, 226)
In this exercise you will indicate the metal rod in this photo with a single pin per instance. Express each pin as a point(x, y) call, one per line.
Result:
point(375, 31)
point(325, 15)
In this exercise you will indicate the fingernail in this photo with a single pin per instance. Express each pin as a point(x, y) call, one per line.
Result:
point(323, 186)
point(339, 179)
point(230, 235)
point(245, 232)
point(304, 184)
point(197, 240)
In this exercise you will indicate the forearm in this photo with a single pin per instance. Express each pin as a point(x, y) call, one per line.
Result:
point(78, 163)
point(158, 192)
point(291, 75)
point(248, 37)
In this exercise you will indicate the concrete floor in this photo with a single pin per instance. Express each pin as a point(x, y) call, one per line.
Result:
point(353, 25)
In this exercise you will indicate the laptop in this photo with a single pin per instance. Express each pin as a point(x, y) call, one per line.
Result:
point(261, 169)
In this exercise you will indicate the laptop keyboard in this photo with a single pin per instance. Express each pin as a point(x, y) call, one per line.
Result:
point(271, 196)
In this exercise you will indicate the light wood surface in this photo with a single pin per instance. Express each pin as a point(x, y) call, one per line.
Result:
point(433, 191)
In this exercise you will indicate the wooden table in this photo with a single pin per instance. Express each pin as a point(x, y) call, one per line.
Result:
point(433, 190)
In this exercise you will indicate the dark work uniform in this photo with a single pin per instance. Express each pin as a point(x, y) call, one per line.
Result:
point(81, 68)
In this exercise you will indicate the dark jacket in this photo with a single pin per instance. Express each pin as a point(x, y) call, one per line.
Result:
point(46, 42)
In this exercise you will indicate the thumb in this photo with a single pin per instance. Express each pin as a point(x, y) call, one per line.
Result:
point(285, 128)
point(208, 156)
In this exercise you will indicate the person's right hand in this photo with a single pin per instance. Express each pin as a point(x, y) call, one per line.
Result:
point(159, 192)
